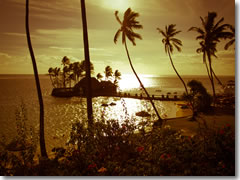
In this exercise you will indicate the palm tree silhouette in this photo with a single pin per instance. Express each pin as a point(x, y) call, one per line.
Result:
point(65, 62)
point(40, 99)
point(209, 36)
point(232, 37)
point(88, 69)
point(99, 76)
point(170, 42)
point(108, 72)
point(117, 76)
point(127, 25)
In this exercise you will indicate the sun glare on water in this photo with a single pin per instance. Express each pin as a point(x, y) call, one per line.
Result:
point(129, 82)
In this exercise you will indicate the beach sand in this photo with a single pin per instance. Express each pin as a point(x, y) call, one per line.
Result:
point(216, 120)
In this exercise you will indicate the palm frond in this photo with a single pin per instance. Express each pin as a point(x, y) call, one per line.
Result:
point(123, 37)
point(166, 47)
point(177, 41)
point(162, 32)
point(229, 44)
point(219, 22)
point(177, 47)
point(126, 14)
point(117, 35)
point(118, 20)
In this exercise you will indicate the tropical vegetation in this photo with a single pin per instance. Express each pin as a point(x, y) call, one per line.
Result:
point(117, 150)
point(210, 35)
point(127, 147)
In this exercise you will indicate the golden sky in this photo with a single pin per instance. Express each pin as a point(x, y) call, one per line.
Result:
point(56, 31)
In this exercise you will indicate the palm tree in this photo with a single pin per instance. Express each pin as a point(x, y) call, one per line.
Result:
point(170, 42)
point(209, 36)
point(127, 25)
point(65, 62)
point(40, 99)
point(203, 50)
point(108, 72)
point(88, 70)
point(99, 76)
point(56, 72)
point(83, 66)
point(77, 71)
point(117, 77)
point(232, 37)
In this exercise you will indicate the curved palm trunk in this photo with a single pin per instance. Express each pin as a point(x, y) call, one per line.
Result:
point(155, 109)
point(219, 82)
point(186, 90)
point(211, 78)
point(204, 61)
point(177, 73)
point(40, 99)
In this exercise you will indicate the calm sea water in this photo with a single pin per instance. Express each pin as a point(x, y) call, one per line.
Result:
point(60, 113)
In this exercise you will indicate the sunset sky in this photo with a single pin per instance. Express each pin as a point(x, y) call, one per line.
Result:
point(56, 31)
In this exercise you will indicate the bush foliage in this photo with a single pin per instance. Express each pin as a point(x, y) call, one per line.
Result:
point(126, 149)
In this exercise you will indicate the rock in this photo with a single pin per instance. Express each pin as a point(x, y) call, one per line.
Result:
point(143, 114)
point(104, 105)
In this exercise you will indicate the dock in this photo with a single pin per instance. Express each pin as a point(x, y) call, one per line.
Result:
point(167, 97)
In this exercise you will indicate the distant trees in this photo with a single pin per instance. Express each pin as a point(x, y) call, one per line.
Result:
point(110, 76)
point(127, 26)
point(108, 72)
point(69, 72)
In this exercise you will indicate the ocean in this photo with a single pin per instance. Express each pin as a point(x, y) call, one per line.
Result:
point(60, 113)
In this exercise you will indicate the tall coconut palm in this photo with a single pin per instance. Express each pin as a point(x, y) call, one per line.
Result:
point(88, 69)
point(40, 99)
point(203, 50)
point(127, 26)
point(232, 37)
point(209, 35)
point(170, 42)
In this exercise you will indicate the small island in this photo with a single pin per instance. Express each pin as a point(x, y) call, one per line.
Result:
point(71, 81)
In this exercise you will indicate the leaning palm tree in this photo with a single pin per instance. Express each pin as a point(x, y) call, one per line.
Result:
point(127, 25)
point(170, 42)
point(209, 35)
point(203, 50)
point(40, 99)
point(232, 37)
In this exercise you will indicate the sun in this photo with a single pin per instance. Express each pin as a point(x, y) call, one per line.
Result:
point(118, 5)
